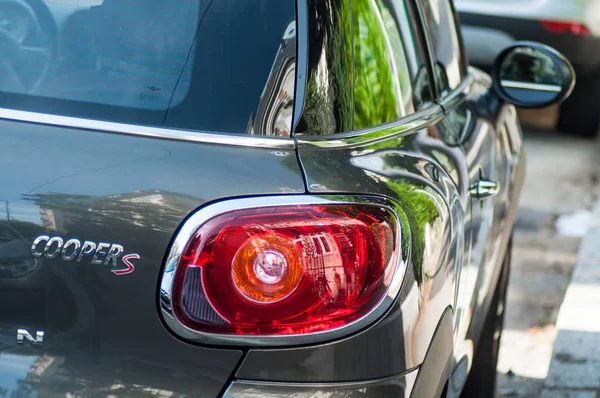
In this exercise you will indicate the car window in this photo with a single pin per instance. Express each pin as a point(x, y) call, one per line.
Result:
point(328, 101)
point(442, 32)
point(390, 77)
point(221, 65)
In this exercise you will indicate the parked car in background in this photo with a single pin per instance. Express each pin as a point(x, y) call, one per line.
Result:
point(572, 27)
point(244, 198)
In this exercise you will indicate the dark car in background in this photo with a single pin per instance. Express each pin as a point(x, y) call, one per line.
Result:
point(571, 27)
point(244, 198)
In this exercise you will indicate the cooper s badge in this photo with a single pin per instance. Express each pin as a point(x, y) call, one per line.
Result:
point(73, 250)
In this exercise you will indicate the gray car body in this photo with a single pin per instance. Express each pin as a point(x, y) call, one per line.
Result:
point(135, 186)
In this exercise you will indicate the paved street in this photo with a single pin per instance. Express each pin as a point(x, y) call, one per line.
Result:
point(576, 357)
point(561, 188)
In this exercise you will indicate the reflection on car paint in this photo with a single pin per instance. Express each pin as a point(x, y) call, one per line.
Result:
point(328, 104)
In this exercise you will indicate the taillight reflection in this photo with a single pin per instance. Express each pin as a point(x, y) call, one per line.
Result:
point(286, 270)
point(573, 28)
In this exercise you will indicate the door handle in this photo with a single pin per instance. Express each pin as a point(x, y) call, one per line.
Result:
point(483, 189)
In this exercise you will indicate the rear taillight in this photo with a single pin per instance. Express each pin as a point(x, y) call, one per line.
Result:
point(573, 28)
point(286, 270)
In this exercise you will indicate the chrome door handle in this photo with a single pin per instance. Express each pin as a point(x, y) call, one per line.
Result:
point(483, 189)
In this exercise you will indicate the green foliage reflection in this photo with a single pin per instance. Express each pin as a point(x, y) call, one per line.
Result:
point(421, 211)
point(382, 76)
point(375, 100)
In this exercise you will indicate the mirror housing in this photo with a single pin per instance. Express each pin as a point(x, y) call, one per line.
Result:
point(532, 75)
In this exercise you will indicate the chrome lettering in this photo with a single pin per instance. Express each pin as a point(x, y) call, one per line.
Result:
point(23, 334)
point(100, 253)
point(76, 246)
point(87, 249)
point(36, 242)
point(73, 250)
point(53, 254)
point(113, 255)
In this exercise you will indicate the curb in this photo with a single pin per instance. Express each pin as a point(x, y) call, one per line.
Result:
point(575, 365)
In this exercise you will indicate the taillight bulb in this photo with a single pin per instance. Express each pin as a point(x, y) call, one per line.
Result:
point(270, 266)
point(266, 269)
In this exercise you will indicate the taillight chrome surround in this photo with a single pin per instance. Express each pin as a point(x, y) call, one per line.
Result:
point(201, 216)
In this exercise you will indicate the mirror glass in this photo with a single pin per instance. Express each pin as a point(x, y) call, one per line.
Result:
point(531, 76)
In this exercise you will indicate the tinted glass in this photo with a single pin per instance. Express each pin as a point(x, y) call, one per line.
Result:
point(442, 30)
point(390, 78)
point(328, 101)
point(221, 65)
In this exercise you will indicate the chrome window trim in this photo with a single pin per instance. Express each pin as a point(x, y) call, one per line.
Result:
point(403, 126)
point(456, 95)
point(201, 216)
point(146, 131)
point(531, 86)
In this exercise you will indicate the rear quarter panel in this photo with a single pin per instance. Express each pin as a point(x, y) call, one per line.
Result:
point(426, 178)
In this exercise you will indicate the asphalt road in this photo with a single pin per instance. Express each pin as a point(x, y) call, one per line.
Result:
point(562, 185)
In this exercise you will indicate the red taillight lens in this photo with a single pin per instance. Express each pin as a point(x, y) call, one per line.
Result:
point(287, 270)
point(566, 27)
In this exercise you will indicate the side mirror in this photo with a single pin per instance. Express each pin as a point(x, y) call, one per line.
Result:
point(532, 75)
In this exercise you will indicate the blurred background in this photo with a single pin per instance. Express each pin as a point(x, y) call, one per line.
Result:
point(562, 183)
